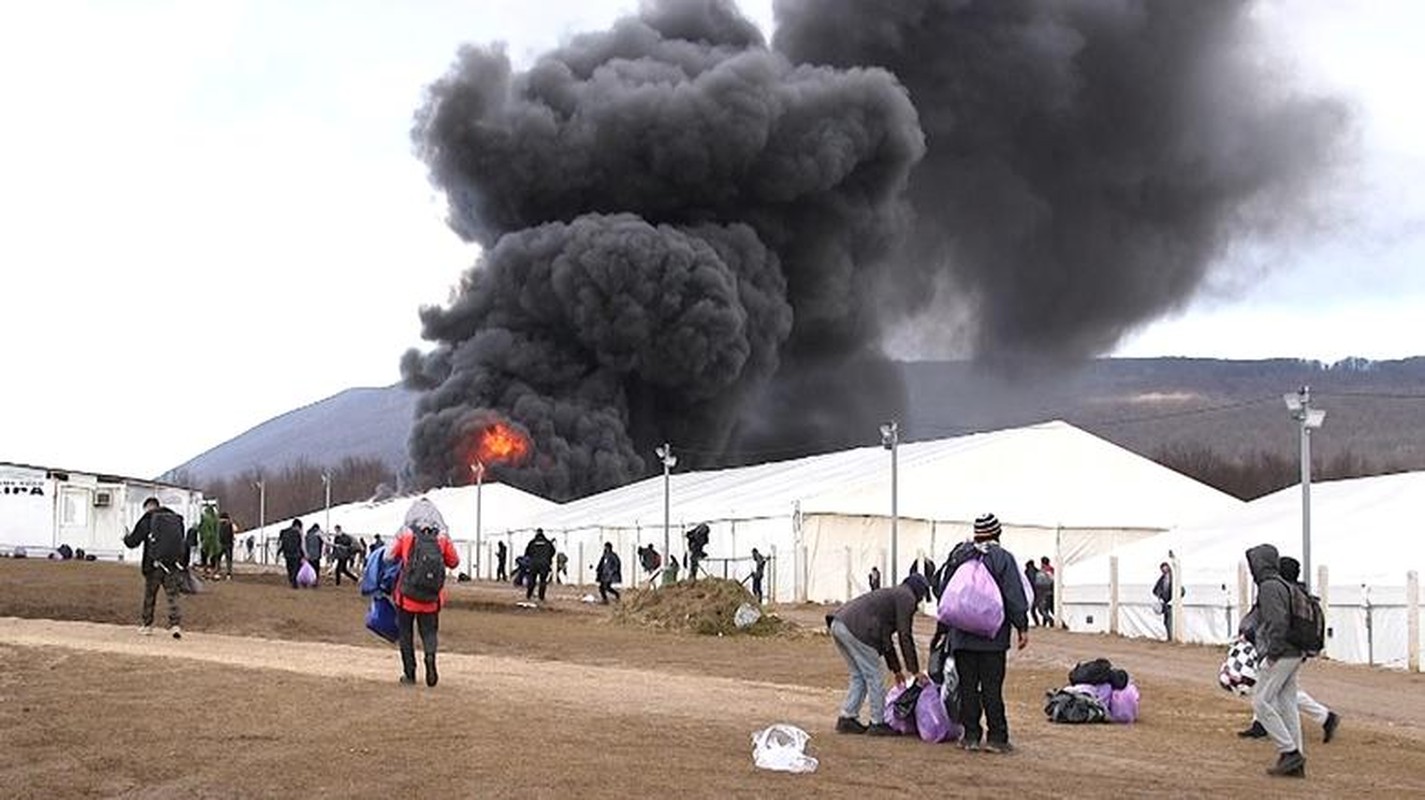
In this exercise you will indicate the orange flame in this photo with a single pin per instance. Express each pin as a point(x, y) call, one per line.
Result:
point(501, 443)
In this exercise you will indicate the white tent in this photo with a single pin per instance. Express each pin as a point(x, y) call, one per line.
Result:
point(1366, 532)
point(1059, 491)
point(502, 509)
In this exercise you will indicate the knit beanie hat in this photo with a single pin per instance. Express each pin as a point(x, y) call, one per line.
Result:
point(987, 527)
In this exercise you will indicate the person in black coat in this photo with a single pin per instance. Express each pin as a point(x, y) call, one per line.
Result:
point(540, 554)
point(289, 544)
point(502, 555)
point(609, 571)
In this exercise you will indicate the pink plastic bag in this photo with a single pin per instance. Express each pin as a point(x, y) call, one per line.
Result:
point(972, 601)
point(1103, 691)
point(932, 721)
point(904, 725)
point(307, 575)
point(1123, 704)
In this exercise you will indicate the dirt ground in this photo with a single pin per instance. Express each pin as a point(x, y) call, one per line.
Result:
point(278, 693)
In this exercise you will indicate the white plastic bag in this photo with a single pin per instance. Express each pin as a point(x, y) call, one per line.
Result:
point(780, 748)
point(746, 615)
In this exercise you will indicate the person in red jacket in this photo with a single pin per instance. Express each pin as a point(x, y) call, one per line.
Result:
point(415, 546)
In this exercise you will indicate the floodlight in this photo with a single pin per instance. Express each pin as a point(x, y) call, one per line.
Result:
point(1293, 401)
point(1315, 417)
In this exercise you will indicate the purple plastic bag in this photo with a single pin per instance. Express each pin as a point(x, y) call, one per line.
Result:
point(972, 601)
point(1103, 691)
point(904, 725)
point(1123, 704)
point(932, 721)
point(307, 575)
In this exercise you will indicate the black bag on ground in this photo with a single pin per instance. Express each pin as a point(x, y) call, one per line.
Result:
point(165, 538)
point(1099, 670)
point(424, 574)
point(1073, 707)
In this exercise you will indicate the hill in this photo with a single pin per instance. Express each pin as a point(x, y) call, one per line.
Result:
point(1233, 408)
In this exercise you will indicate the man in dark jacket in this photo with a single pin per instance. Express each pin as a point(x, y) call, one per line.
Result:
point(1274, 698)
point(1163, 590)
point(863, 631)
point(759, 572)
point(227, 534)
point(160, 562)
point(502, 555)
point(289, 544)
point(342, 547)
point(609, 571)
point(540, 554)
point(980, 661)
point(314, 551)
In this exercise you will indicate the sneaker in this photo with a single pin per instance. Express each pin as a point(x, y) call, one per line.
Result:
point(176, 631)
point(1329, 726)
point(849, 725)
point(145, 630)
point(1289, 765)
point(1256, 731)
point(881, 729)
point(431, 676)
point(970, 745)
point(1003, 748)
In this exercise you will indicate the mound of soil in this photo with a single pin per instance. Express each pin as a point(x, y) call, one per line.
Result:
point(705, 606)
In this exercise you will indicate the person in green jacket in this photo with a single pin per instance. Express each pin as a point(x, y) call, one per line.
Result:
point(211, 549)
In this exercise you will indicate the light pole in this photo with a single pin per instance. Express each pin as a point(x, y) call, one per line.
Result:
point(261, 487)
point(479, 469)
point(327, 486)
point(665, 454)
point(890, 440)
point(1309, 419)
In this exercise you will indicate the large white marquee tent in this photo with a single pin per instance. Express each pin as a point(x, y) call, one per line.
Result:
point(1366, 533)
point(1061, 492)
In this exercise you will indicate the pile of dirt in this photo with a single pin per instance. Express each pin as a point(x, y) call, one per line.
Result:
point(705, 606)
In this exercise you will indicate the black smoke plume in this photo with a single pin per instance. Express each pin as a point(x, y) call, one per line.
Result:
point(682, 229)
point(693, 237)
point(1087, 161)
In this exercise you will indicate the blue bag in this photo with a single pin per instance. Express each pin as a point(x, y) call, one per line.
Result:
point(379, 577)
point(381, 619)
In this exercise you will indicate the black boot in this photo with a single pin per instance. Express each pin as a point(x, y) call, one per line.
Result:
point(1292, 765)
point(431, 676)
point(1256, 731)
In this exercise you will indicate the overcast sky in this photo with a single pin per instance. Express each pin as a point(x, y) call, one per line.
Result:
point(210, 213)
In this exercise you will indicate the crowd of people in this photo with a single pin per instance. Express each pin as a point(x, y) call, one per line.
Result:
point(872, 628)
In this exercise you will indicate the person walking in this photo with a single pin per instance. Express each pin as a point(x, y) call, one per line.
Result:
point(1274, 698)
point(342, 548)
point(609, 572)
point(227, 537)
point(561, 567)
point(1031, 574)
point(209, 541)
point(314, 551)
point(874, 578)
point(1043, 587)
point(289, 544)
point(424, 551)
point(248, 544)
point(540, 554)
point(980, 660)
point(865, 631)
point(1163, 590)
point(1328, 719)
point(759, 570)
point(502, 554)
point(160, 532)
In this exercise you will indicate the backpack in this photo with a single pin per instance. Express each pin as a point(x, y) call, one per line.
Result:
point(165, 538)
point(1074, 707)
point(424, 574)
point(1099, 671)
point(972, 601)
point(1307, 628)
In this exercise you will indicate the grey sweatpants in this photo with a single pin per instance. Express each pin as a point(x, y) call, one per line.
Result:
point(1274, 701)
point(864, 663)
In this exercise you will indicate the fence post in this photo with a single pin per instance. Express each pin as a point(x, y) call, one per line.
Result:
point(1059, 567)
point(772, 585)
point(1412, 619)
point(581, 562)
point(1323, 589)
point(1177, 597)
point(1113, 595)
point(848, 572)
point(805, 575)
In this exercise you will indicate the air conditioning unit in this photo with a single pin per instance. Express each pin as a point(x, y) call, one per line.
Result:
point(103, 499)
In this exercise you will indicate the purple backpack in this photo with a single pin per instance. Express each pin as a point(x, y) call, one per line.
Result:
point(1123, 704)
point(972, 602)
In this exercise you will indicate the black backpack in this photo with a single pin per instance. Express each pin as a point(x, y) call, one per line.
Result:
point(1099, 670)
point(165, 538)
point(424, 573)
point(1307, 628)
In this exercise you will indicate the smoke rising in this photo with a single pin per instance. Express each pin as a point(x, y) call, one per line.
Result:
point(1087, 162)
point(693, 237)
point(681, 229)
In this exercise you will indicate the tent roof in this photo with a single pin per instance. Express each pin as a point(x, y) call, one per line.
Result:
point(1047, 475)
point(1366, 530)
point(502, 508)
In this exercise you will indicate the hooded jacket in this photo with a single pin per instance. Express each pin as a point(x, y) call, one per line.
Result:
point(422, 514)
point(878, 615)
point(1273, 604)
point(289, 542)
point(314, 545)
